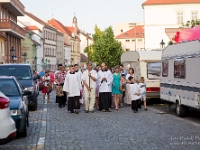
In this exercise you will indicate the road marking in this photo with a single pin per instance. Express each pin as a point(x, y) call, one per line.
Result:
point(179, 118)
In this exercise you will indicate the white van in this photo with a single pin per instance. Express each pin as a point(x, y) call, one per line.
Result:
point(146, 64)
point(180, 80)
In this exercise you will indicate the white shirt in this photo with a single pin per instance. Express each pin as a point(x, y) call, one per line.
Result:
point(142, 88)
point(79, 74)
point(128, 75)
point(134, 88)
point(111, 79)
point(72, 85)
point(55, 75)
point(104, 86)
point(85, 77)
point(46, 78)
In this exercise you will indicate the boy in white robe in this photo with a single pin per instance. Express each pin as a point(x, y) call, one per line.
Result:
point(72, 87)
point(104, 81)
point(134, 94)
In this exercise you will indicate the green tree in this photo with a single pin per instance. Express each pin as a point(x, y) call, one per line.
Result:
point(106, 48)
point(89, 50)
point(170, 43)
point(191, 24)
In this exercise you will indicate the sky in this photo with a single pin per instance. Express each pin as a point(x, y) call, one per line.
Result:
point(104, 13)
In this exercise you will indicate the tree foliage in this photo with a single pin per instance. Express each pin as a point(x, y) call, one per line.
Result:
point(89, 50)
point(191, 24)
point(106, 48)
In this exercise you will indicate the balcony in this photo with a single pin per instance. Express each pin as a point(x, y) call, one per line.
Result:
point(11, 27)
point(14, 6)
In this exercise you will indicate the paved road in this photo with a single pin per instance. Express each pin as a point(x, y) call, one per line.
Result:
point(52, 128)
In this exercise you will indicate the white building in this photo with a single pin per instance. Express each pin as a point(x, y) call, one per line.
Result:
point(60, 48)
point(49, 34)
point(165, 14)
point(67, 52)
point(132, 39)
point(84, 42)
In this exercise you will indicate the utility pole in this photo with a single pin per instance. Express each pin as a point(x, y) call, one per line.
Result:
point(88, 34)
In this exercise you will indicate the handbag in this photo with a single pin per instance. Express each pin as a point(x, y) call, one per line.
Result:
point(120, 88)
point(41, 86)
point(59, 91)
point(49, 88)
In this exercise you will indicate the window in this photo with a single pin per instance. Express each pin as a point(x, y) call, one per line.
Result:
point(153, 70)
point(121, 30)
point(165, 68)
point(127, 40)
point(139, 40)
point(133, 40)
point(9, 88)
point(195, 15)
point(180, 17)
point(179, 68)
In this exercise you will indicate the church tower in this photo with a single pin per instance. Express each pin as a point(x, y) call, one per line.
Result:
point(74, 25)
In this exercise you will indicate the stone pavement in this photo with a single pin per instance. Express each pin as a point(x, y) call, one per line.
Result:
point(52, 128)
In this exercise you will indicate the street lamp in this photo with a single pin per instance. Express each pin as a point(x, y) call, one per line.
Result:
point(35, 60)
point(12, 50)
point(49, 64)
point(162, 44)
point(25, 56)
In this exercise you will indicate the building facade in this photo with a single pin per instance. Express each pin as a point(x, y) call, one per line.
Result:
point(60, 48)
point(49, 37)
point(9, 11)
point(85, 41)
point(132, 39)
point(67, 51)
point(159, 15)
point(2, 48)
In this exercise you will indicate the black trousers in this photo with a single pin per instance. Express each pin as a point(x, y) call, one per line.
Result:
point(134, 104)
point(62, 100)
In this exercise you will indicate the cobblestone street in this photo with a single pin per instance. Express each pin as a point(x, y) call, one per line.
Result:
point(52, 128)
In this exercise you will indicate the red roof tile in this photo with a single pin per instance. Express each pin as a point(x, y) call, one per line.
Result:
point(131, 33)
point(83, 57)
point(32, 28)
point(58, 25)
point(161, 2)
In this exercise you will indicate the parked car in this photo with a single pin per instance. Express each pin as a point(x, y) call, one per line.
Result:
point(18, 102)
point(7, 125)
point(24, 74)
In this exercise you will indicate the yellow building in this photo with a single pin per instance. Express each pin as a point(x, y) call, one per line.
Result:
point(2, 48)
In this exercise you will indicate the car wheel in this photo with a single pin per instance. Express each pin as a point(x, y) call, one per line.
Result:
point(24, 133)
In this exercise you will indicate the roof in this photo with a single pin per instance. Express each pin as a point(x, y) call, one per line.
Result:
point(85, 34)
point(137, 32)
point(83, 57)
point(66, 44)
point(150, 55)
point(35, 42)
point(3, 36)
point(162, 2)
point(38, 20)
point(182, 49)
point(28, 28)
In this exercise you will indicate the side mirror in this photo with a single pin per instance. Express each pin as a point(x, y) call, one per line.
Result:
point(26, 93)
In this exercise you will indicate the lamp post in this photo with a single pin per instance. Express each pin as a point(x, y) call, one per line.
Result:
point(162, 44)
point(12, 50)
point(25, 56)
point(35, 60)
point(49, 64)
point(88, 34)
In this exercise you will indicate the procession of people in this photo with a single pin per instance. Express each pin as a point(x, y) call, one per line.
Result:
point(97, 88)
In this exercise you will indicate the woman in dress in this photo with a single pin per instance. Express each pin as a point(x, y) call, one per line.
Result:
point(46, 80)
point(127, 90)
point(116, 87)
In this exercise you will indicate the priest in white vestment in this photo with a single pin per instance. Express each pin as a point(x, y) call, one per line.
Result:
point(72, 87)
point(104, 81)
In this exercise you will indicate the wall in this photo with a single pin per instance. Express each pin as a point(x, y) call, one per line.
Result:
point(2, 50)
point(159, 17)
point(83, 43)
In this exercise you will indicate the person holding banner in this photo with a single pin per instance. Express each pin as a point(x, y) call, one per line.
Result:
point(89, 79)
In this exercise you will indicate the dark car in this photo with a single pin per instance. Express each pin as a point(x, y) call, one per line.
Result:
point(23, 73)
point(10, 87)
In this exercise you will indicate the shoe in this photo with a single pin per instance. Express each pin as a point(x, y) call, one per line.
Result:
point(76, 112)
point(146, 109)
point(86, 111)
point(116, 108)
point(103, 110)
point(134, 111)
point(72, 111)
point(60, 106)
point(91, 111)
point(109, 110)
point(63, 105)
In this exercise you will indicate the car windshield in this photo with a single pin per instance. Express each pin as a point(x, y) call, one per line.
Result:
point(20, 72)
point(8, 87)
